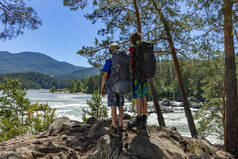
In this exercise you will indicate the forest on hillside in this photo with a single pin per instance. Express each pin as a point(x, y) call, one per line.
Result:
point(35, 80)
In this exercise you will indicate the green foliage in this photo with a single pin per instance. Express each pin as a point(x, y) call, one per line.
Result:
point(120, 21)
point(35, 80)
point(88, 85)
point(211, 116)
point(15, 17)
point(165, 80)
point(96, 107)
point(17, 115)
point(75, 86)
point(210, 120)
point(81, 74)
point(52, 90)
point(204, 80)
point(133, 105)
point(43, 116)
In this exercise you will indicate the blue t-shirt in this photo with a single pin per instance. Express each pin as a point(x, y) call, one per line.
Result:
point(107, 66)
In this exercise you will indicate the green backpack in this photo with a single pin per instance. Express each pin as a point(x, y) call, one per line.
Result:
point(145, 60)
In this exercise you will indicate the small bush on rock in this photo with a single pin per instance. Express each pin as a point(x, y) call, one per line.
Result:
point(17, 115)
point(96, 107)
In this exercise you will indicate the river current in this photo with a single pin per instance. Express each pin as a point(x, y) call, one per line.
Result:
point(71, 105)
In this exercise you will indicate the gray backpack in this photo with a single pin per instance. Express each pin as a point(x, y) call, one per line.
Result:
point(145, 60)
point(120, 77)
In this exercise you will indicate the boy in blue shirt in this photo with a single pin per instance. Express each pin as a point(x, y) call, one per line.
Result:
point(114, 99)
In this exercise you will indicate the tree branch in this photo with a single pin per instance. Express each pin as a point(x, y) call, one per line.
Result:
point(162, 52)
point(183, 55)
point(235, 34)
point(215, 27)
point(159, 27)
point(123, 8)
point(139, 28)
point(99, 48)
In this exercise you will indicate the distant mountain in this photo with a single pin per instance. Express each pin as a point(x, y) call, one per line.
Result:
point(81, 74)
point(34, 62)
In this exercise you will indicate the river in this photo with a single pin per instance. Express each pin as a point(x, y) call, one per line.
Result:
point(71, 105)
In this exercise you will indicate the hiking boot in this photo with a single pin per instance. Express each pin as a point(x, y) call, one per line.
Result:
point(135, 123)
point(113, 131)
point(120, 129)
point(144, 120)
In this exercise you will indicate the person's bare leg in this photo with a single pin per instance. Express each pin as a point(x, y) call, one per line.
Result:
point(144, 101)
point(120, 116)
point(114, 116)
point(139, 113)
point(139, 103)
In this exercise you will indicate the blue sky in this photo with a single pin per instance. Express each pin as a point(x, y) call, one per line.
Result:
point(62, 33)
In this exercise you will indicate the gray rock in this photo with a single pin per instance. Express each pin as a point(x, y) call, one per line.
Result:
point(165, 103)
point(167, 109)
point(72, 140)
point(193, 99)
point(10, 155)
point(181, 104)
point(192, 156)
point(176, 104)
point(126, 116)
point(151, 111)
point(97, 129)
point(145, 149)
point(58, 125)
point(92, 120)
point(195, 105)
point(164, 109)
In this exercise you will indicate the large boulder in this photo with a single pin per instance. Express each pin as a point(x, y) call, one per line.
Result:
point(69, 139)
point(165, 102)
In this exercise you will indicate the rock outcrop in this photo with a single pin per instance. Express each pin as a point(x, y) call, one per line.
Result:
point(68, 139)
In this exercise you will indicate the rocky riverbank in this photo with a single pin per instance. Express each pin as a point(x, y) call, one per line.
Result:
point(68, 139)
point(167, 106)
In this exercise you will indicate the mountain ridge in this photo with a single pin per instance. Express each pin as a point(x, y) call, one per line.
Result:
point(80, 74)
point(36, 62)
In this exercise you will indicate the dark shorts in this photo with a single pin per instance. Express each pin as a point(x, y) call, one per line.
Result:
point(114, 99)
point(140, 88)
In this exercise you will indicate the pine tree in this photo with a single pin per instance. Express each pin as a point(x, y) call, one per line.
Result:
point(96, 107)
point(15, 17)
point(216, 19)
point(231, 126)
point(211, 116)
point(188, 112)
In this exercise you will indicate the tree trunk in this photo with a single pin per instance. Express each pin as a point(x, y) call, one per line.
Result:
point(224, 109)
point(139, 28)
point(188, 112)
point(160, 117)
point(231, 110)
point(152, 88)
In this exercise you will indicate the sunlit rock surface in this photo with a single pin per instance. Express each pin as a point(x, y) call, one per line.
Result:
point(68, 139)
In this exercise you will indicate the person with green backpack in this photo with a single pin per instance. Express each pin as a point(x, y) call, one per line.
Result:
point(143, 65)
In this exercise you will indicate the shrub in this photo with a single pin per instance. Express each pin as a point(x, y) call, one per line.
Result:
point(96, 107)
point(17, 115)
